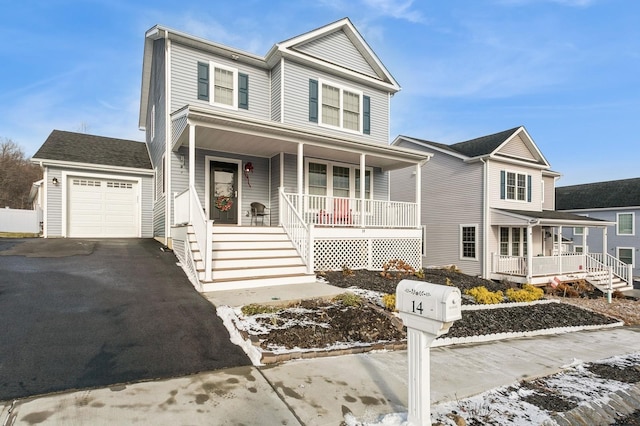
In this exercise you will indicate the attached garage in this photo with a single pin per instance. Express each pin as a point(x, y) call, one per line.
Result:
point(96, 187)
point(102, 208)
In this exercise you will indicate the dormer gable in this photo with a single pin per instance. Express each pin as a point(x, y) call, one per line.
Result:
point(317, 48)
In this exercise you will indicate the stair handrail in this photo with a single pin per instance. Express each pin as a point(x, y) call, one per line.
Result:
point(203, 228)
point(604, 261)
point(298, 231)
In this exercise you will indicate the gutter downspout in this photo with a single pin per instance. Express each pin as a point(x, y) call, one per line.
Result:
point(485, 220)
point(167, 138)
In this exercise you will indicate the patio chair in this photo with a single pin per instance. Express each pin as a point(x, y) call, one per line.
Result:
point(258, 210)
point(341, 212)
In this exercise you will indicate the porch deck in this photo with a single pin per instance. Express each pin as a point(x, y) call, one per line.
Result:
point(602, 270)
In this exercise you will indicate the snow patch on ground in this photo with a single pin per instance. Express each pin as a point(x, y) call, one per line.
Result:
point(504, 405)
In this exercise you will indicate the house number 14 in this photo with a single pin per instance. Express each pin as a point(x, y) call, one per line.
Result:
point(416, 308)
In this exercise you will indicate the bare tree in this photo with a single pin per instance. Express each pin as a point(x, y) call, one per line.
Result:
point(17, 174)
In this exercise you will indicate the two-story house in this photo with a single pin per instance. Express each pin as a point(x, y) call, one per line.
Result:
point(488, 207)
point(302, 131)
point(615, 201)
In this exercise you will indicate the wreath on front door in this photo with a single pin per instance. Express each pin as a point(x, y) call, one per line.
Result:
point(224, 204)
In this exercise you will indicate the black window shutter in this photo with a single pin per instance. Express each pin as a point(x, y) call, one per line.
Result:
point(503, 194)
point(366, 115)
point(313, 100)
point(203, 81)
point(529, 188)
point(243, 91)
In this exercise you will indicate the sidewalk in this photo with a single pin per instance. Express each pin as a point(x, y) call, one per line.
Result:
point(320, 391)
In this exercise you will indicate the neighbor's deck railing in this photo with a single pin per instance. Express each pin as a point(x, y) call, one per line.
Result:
point(604, 261)
point(353, 212)
point(567, 263)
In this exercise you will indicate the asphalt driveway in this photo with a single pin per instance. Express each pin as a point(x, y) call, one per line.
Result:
point(80, 314)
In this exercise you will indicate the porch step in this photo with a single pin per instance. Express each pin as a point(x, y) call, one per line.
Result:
point(600, 280)
point(250, 256)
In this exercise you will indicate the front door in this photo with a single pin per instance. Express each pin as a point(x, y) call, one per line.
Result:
point(224, 192)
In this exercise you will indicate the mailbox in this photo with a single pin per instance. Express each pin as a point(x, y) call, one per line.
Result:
point(428, 307)
point(427, 310)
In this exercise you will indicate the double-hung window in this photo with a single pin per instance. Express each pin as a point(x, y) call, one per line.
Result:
point(223, 86)
point(625, 222)
point(625, 254)
point(336, 180)
point(468, 241)
point(345, 108)
point(515, 186)
point(341, 107)
point(513, 242)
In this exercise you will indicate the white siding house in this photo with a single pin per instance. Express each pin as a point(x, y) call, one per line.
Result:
point(617, 202)
point(488, 208)
point(302, 130)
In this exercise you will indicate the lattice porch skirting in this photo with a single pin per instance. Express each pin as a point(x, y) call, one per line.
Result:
point(365, 253)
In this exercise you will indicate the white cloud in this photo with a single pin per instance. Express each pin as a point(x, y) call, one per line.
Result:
point(569, 3)
point(399, 9)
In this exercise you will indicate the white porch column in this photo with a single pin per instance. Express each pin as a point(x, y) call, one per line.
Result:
point(300, 169)
point(585, 234)
point(363, 183)
point(192, 156)
point(605, 248)
point(300, 176)
point(418, 192)
point(560, 248)
point(529, 253)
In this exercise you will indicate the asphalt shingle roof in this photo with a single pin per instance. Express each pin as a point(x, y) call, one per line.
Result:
point(477, 147)
point(483, 145)
point(614, 193)
point(552, 215)
point(83, 148)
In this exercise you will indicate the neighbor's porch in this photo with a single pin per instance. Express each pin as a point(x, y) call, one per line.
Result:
point(530, 249)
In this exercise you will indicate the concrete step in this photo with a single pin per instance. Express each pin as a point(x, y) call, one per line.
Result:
point(259, 272)
point(219, 285)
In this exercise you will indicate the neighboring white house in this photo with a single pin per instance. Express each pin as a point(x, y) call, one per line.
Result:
point(615, 201)
point(488, 207)
point(94, 186)
point(302, 130)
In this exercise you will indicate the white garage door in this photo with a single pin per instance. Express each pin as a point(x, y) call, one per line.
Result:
point(102, 208)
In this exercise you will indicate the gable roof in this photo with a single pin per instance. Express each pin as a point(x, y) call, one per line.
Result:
point(486, 146)
point(599, 195)
point(70, 147)
point(368, 68)
point(299, 48)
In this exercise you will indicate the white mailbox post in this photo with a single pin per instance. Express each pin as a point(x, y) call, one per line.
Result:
point(427, 310)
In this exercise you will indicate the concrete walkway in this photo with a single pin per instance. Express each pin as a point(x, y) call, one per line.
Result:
point(319, 391)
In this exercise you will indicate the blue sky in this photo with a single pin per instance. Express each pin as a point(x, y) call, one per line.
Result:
point(568, 70)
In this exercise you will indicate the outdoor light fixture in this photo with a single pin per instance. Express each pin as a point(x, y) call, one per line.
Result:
point(54, 181)
point(248, 168)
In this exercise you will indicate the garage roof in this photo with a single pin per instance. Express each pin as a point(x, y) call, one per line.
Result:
point(83, 148)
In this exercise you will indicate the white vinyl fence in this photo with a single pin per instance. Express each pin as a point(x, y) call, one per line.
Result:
point(20, 221)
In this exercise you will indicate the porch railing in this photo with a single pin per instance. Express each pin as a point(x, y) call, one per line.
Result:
point(352, 212)
point(188, 209)
point(567, 263)
point(299, 231)
point(604, 261)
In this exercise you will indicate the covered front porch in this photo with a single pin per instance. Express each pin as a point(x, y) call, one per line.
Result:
point(529, 248)
point(328, 194)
